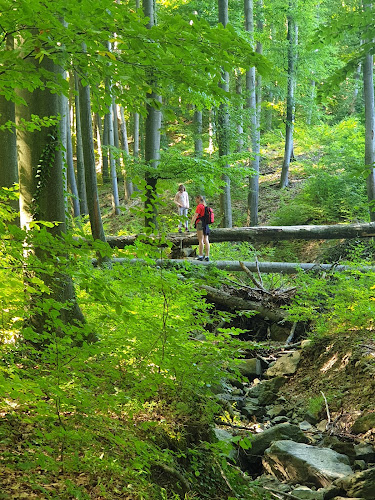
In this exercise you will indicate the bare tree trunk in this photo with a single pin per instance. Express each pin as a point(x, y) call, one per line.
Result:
point(89, 158)
point(81, 183)
point(290, 104)
point(223, 130)
point(259, 50)
point(8, 142)
point(262, 234)
point(240, 139)
point(128, 184)
point(42, 190)
point(198, 143)
point(368, 83)
point(116, 139)
point(152, 133)
point(253, 196)
point(70, 165)
point(211, 130)
point(111, 144)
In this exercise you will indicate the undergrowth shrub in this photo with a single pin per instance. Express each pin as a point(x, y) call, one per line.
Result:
point(96, 419)
point(335, 301)
point(334, 189)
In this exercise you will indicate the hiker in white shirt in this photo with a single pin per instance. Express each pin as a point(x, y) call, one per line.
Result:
point(182, 201)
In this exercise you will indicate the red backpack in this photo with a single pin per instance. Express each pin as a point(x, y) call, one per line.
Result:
point(209, 216)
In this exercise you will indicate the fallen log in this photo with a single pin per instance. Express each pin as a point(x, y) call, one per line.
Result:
point(239, 304)
point(235, 265)
point(255, 234)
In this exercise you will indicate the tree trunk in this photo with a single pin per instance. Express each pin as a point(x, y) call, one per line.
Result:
point(254, 267)
point(116, 140)
point(42, 189)
point(292, 38)
point(152, 132)
point(253, 196)
point(105, 143)
point(128, 184)
point(89, 158)
point(223, 130)
point(198, 143)
point(8, 143)
point(81, 183)
point(70, 165)
point(368, 84)
point(262, 234)
point(240, 138)
point(211, 130)
point(259, 50)
point(239, 304)
point(111, 144)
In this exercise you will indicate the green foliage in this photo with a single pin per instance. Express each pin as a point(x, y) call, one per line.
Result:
point(334, 189)
point(138, 393)
point(335, 302)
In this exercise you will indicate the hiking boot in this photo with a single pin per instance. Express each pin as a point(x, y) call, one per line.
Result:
point(199, 258)
point(180, 230)
point(206, 259)
point(186, 230)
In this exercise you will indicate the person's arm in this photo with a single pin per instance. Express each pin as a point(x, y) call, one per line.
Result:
point(194, 218)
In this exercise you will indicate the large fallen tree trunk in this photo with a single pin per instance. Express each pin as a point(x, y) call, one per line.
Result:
point(263, 267)
point(240, 304)
point(256, 234)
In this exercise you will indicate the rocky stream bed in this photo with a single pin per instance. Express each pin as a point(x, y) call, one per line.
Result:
point(309, 412)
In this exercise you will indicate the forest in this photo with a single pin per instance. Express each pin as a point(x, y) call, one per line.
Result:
point(129, 368)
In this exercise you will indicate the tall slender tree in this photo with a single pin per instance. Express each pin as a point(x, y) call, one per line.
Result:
point(253, 196)
point(368, 86)
point(8, 145)
point(81, 182)
point(292, 37)
point(152, 130)
point(96, 223)
point(223, 130)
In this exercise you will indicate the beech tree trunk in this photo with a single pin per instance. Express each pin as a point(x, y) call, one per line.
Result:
point(223, 130)
point(368, 84)
point(128, 184)
point(152, 132)
point(70, 165)
point(8, 143)
point(81, 182)
point(89, 158)
point(253, 196)
point(198, 142)
point(292, 38)
point(42, 188)
point(239, 117)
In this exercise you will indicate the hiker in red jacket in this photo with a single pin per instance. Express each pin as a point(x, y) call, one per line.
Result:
point(203, 230)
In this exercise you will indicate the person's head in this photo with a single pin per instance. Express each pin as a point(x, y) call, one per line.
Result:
point(200, 199)
point(181, 188)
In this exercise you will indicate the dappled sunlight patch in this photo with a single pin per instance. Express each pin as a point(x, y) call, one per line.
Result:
point(345, 360)
point(329, 364)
